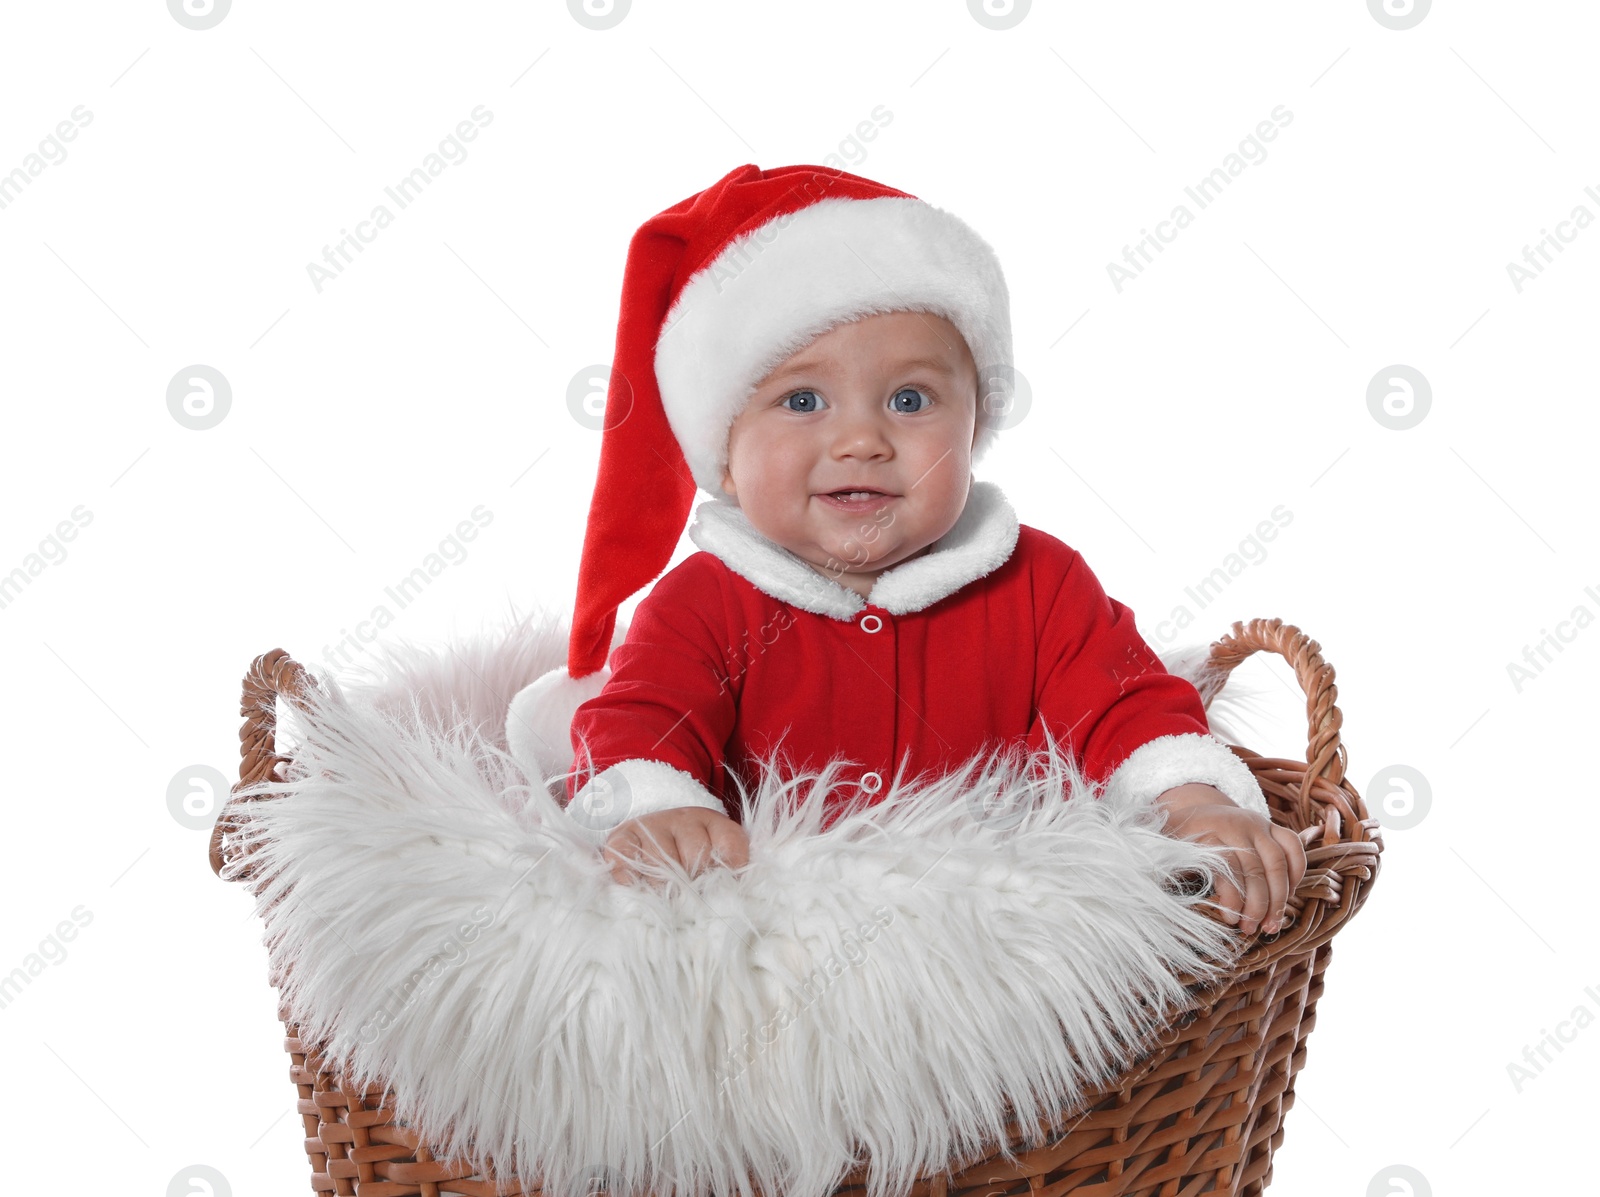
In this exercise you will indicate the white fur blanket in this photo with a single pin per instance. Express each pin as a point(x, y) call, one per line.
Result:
point(876, 992)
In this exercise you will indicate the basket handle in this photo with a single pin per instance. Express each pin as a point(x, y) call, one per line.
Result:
point(1325, 752)
point(271, 674)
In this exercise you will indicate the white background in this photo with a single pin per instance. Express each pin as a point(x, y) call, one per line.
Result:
point(1168, 419)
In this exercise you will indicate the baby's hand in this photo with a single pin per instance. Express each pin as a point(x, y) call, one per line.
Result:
point(688, 835)
point(1270, 859)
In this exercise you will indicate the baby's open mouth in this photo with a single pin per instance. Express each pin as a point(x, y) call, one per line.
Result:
point(856, 500)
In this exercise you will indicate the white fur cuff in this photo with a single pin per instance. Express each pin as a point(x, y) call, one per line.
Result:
point(1175, 760)
point(632, 788)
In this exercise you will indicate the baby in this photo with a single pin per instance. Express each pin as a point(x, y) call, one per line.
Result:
point(859, 596)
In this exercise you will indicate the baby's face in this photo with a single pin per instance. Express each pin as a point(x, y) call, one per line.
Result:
point(887, 403)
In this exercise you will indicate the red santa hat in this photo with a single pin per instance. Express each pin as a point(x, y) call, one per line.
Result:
point(717, 290)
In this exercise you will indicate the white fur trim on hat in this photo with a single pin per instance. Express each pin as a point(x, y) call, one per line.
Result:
point(539, 721)
point(775, 289)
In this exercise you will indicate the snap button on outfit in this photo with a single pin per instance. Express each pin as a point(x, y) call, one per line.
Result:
point(871, 782)
point(870, 623)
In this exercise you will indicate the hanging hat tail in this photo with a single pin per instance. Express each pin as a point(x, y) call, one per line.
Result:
point(642, 497)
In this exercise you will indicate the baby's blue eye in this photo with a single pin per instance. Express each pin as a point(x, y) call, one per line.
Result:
point(920, 398)
point(802, 395)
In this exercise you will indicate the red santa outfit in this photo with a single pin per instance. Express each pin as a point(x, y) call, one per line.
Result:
point(996, 637)
point(999, 632)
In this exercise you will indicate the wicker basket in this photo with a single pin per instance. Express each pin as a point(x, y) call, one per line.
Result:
point(1201, 1111)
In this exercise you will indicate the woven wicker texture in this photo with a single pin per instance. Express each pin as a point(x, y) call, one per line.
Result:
point(1201, 1110)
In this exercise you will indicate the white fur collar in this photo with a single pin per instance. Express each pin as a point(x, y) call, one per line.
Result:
point(981, 541)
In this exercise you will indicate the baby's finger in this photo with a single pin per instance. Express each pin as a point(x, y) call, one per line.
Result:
point(1275, 867)
point(658, 844)
point(1228, 899)
point(626, 846)
point(732, 843)
point(1294, 851)
point(693, 845)
point(615, 853)
point(622, 847)
point(1257, 892)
